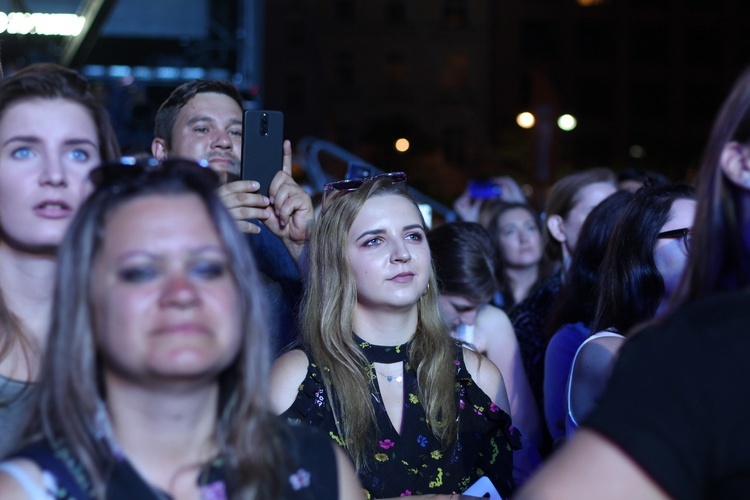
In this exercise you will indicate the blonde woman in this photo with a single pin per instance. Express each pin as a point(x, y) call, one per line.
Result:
point(379, 372)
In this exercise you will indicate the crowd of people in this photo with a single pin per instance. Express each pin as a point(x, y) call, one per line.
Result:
point(167, 332)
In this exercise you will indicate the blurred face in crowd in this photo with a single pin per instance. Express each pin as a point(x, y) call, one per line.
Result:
point(164, 298)
point(457, 310)
point(670, 254)
point(588, 197)
point(209, 127)
point(47, 149)
point(388, 254)
point(519, 238)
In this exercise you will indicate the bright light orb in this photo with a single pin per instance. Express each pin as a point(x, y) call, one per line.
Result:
point(402, 145)
point(567, 122)
point(525, 120)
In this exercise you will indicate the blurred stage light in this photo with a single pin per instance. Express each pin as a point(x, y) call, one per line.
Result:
point(39, 23)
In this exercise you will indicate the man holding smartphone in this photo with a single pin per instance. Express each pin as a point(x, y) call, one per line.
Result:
point(202, 120)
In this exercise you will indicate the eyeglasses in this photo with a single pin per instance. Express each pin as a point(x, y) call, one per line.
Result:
point(684, 234)
point(349, 185)
point(130, 170)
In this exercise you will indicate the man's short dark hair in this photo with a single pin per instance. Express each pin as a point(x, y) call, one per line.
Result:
point(168, 111)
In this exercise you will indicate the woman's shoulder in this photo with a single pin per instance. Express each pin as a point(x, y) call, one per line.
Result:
point(479, 366)
point(607, 340)
point(288, 372)
point(21, 478)
point(597, 353)
point(493, 316)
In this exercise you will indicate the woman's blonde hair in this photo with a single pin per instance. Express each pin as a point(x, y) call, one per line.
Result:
point(327, 321)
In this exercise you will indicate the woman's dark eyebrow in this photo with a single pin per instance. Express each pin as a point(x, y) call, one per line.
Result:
point(370, 233)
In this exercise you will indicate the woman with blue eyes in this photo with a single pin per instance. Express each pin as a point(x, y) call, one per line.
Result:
point(153, 384)
point(378, 370)
point(53, 131)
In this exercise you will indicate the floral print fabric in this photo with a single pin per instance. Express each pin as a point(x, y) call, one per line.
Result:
point(414, 462)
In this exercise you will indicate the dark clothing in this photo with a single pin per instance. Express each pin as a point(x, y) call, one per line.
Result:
point(282, 285)
point(529, 318)
point(678, 401)
point(414, 462)
point(311, 473)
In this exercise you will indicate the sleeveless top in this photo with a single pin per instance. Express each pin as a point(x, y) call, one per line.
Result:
point(16, 398)
point(310, 473)
point(415, 462)
point(571, 425)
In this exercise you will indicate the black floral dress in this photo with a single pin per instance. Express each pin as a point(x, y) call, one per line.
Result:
point(311, 473)
point(415, 462)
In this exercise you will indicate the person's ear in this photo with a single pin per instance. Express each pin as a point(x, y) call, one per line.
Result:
point(735, 163)
point(159, 148)
point(555, 227)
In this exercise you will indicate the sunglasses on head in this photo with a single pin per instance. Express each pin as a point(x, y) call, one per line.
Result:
point(131, 170)
point(349, 185)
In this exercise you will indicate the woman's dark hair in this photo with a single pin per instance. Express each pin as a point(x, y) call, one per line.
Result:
point(465, 259)
point(490, 219)
point(49, 81)
point(578, 297)
point(52, 81)
point(720, 256)
point(630, 285)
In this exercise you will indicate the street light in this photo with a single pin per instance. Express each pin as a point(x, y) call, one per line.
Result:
point(567, 122)
point(401, 145)
point(525, 120)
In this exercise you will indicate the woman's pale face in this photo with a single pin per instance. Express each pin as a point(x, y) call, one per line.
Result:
point(520, 239)
point(164, 299)
point(388, 254)
point(670, 254)
point(588, 198)
point(457, 310)
point(47, 149)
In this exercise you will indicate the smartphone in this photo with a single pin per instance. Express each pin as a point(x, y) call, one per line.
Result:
point(484, 190)
point(262, 146)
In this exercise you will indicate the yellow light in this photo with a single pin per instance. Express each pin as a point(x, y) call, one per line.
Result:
point(567, 122)
point(401, 145)
point(525, 120)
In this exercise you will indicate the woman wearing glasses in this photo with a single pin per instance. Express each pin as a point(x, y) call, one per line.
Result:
point(645, 257)
point(673, 421)
point(153, 383)
point(53, 131)
point(378, 370)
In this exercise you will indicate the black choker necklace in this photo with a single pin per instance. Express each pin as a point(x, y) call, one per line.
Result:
point(381, 353)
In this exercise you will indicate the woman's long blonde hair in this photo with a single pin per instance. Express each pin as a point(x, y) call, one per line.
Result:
point(327, 320)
